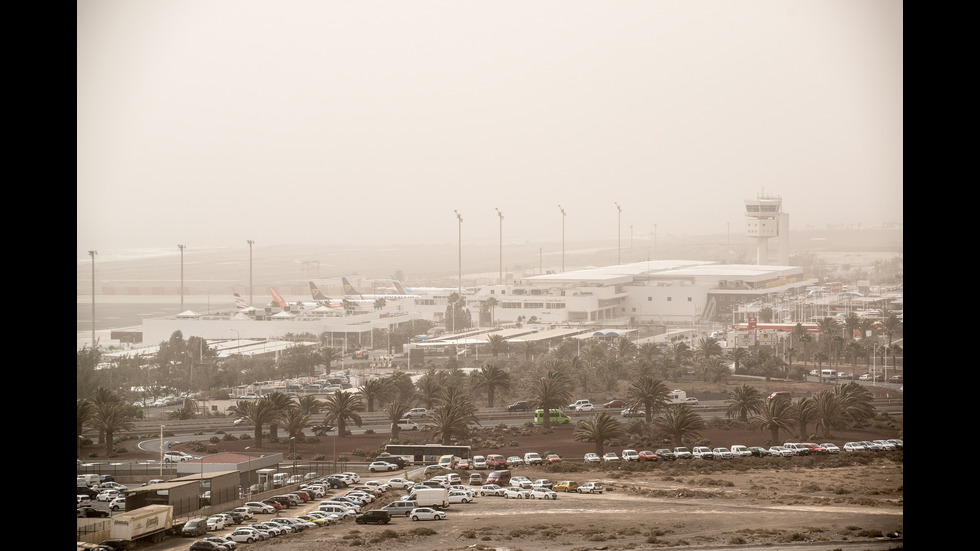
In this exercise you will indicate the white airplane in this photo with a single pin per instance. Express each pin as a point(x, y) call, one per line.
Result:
point(320, 298)
point(350, 292)
point(424, 290)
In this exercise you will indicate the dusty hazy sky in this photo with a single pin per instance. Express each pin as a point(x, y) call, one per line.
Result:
point(211, 122)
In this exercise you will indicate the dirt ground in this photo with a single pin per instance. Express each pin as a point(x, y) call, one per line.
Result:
point(852, 501)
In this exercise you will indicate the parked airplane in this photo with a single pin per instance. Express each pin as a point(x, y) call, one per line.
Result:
point(322, 299)
point(240, 302)
point(401, 290)
point(350, 292)
point(284, 304)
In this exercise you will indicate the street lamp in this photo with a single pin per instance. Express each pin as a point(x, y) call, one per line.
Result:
point(460, 226)
point(92, 254)
point(248, 477)
point(250, 243)
point(501, 244)
point(562, 238)
point(239, 339)
point(181, 247)
point(619, 248)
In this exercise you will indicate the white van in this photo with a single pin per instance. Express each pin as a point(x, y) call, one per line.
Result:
point(339, 510)
point(279, 479)
point(448, 461)
point(82, 480)
point(828, 373)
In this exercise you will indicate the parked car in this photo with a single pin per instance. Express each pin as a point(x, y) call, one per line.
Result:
point(542, 492)
point(223, 542)
point(375, 516)
point(118, 504)
point(491, 490)
point(399, 483)
point(566, 486)
point(631, 455)
point(519, 406)
point(592, 457)
point(590, 488)
point(515, 492)
point(382, 466)
point(457, 496)
point(666, 454)
point(758, 451)
point(204, 545)
point(830, 447)
point(552, 459)
point(259, 507)
point(739, 450)
point(702, 452)
point(195, 527)
point(82, 500)
point(542, 483)
point(522, 481)
point(885, 444)
point(275, 504)
point(682, 452)
point(216, 522)
point(476, 479)
point(611, 456)
point(779, 451)
point(896, 379)
point(722, 453)
point(91, 512)
point(898, 443)
point(815, 449)
point(244, 535)
point(427, 513)
point(647, 455)
point(614, 404)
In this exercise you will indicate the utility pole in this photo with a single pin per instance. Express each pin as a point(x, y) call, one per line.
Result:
point(250, 243)
point(181, 247)
point(562, 238)
point(92, 254)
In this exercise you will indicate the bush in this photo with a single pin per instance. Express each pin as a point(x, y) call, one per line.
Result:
point(214, 440)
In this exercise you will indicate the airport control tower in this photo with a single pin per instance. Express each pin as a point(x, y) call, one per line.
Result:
point(766, 220)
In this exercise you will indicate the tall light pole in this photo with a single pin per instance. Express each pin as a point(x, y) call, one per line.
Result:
point(248, 480)
point(460, 225)
point(619, 247)
point(92, 254)
point(562, 238)
point(181, 247)
point(501, 244)
point(250, 243)
point(161, 451)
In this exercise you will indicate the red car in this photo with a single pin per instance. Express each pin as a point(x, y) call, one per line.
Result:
point(274, 503)
point(552, 458)
point(614, 404)
point(648, 455)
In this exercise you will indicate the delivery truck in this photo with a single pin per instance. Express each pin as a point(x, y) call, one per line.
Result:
point(150, 523)
point(430, 497)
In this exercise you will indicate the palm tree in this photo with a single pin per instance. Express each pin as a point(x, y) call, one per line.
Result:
point(374, 389)
point(84, 415)
point(329, 355)
point(625, 348)
point(280, 402)
point(600, 429)
point(309, 405)
point(395, 411)
point(492, 304)
point(101, 398)
point(294, 420)
point(830, 412)
point(857, 402)
point(379, 303)
point(679, 423)
point(497, 344)
point(550, 392)
point(111, 417)
point(491, 378)
point(743, 400)
point(776, 415)
point(716, 370)
point(258, 413)
point(647, 393)
point(737, 356)
point(341, 408)
point(806, 412)
point(806, 339)
point(449, 422)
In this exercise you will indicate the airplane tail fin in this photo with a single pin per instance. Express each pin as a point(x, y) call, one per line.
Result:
point(315, 291)
point(348, 288)
point(278, 298)
point(240, 302)
point(398, 286)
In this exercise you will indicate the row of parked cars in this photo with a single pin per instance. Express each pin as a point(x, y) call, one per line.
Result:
point(785, 450)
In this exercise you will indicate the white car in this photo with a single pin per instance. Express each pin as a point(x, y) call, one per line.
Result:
point(407, 424)
point(107, 495)
point(577, 403)
point(541, 492)
point(244, 535)
point(382, 466)
point(399, 483)
point(514, 492)
point(590, 488)
point(830, 447)
point(592, 457)
point(427, 513)
point(739, 450)
point(416, 413)
point(491, 490)
point(585, 407)
point(216, 522)
point(118, 503)
point(522, 481)
point(610, 457)
point(682, 452)
point(779, 451)
point(702, 452)
point(245, 512)
point(631, 455)
point(259, 507)
point(479, 462)
point(515, 461)
point(723, 453)
point(886, 445)
point(177, 457)
point(458, 496)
